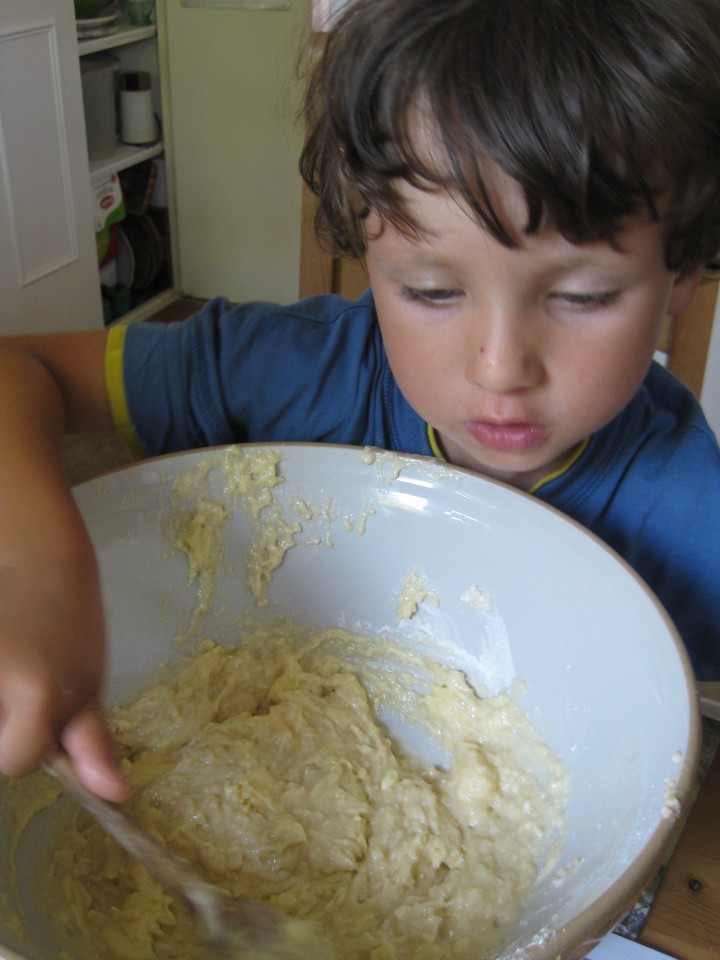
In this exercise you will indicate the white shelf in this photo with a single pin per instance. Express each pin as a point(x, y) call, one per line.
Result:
point(125, 34)
point(125, 156)
point(135, 49)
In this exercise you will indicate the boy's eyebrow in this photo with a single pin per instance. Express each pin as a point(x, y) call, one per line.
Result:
point(568, 258)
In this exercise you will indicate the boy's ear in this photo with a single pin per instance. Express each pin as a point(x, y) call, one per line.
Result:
point(683, 292)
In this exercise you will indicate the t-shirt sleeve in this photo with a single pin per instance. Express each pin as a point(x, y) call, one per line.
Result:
point(115, 385)
point(677, 547)
point(250, 373)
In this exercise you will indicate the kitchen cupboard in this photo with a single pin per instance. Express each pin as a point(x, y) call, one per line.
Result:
point(136, 49)
point(49, 274)
point(228, 96)
point(48, 262)
point(141, 270)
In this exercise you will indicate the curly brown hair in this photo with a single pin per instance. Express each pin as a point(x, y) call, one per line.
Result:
point(598, 109)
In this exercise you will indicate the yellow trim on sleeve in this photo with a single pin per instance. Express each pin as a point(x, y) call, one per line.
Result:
point(115, 385)
point(573, 457)
point(433, 441)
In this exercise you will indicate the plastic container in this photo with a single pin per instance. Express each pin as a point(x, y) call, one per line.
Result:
point(139, 13)
point(98, 85)
point(137, 120)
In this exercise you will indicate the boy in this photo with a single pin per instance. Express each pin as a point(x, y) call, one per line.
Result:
point(533, 185)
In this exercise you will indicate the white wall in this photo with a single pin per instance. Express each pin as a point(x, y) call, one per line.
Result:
point(710, 396)
point(233, 102)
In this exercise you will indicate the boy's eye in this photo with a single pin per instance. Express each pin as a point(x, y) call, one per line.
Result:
point(430, 295)
point(589, 301)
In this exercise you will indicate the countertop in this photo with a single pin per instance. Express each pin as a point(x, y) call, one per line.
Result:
point(684, 919)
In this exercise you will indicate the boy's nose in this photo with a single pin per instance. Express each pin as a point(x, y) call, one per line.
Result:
point(503, 356)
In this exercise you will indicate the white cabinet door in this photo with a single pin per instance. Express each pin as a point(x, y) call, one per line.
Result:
point(48, 260)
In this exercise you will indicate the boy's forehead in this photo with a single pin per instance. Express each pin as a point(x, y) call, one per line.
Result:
point(505, 199)
point(463, 164)
point(431, 197)
point(434, 172)
point(443, 220)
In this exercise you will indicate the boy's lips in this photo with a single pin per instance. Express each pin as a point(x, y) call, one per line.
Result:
point(507, 437)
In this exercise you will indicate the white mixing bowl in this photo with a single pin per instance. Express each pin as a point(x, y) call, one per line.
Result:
point(608, 683)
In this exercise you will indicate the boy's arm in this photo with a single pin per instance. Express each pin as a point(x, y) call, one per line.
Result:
point(52, 634)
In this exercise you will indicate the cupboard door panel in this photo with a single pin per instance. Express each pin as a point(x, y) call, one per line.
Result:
point(48, 261)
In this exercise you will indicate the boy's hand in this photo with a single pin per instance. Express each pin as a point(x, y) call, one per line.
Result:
point(52, 633)
point(51, 663)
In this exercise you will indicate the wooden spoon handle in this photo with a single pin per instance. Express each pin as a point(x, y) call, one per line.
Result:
point(229, 923)
point(173, 871)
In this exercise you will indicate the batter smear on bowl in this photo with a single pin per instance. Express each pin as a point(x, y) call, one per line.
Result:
point(275, 766)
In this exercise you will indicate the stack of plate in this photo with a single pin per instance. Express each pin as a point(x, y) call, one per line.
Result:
point(105, 23)
point(141, 252)
point(98, 26)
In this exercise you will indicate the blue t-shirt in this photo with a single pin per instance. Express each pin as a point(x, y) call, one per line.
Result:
point(648, 483)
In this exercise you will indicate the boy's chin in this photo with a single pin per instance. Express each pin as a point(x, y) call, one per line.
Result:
point(518, 474)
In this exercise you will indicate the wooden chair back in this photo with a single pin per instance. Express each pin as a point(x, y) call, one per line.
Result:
point(685, 339)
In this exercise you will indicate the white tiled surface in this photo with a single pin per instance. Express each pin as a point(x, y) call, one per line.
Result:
point(615, 947)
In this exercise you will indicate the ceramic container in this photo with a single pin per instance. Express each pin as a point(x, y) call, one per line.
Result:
point(607, 680)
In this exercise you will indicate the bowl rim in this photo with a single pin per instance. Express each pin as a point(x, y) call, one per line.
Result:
point(577, 937)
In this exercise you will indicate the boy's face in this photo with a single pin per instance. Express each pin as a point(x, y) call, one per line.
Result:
point(514, 356)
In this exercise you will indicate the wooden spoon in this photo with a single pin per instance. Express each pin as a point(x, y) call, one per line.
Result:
point(234, 928)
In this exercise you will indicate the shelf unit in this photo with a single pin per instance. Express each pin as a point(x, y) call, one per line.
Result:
point(123, 35)
point(125, 156)
point(136, 49)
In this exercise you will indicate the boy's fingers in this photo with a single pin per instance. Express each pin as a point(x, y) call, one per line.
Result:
point(87, 740)
point(24, 740)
